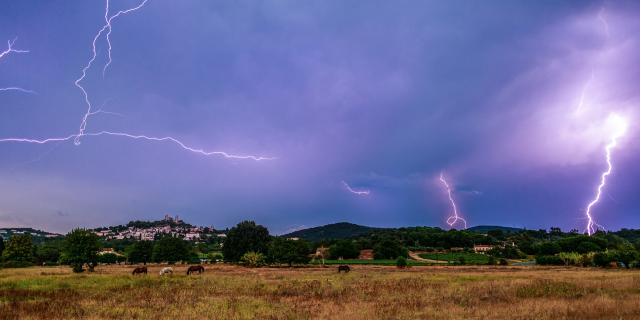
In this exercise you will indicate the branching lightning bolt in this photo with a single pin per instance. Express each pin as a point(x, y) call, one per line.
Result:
point(9, 50)
point(358, 192)
point(620, 128)
point(107, 28)
point(141, 137)
point(453, 219)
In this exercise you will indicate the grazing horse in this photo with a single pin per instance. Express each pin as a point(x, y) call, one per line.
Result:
point(198, 269)
point(166, 270)
point(344, 268)
point(139, 270)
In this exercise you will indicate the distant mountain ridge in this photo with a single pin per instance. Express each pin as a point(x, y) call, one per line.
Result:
point(346, 230)
point(485, 229)
point(340, 230)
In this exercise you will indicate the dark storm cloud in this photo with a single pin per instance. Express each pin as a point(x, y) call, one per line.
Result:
point(384, 95)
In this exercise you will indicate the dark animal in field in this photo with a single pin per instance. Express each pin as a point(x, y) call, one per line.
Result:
point(139, 270)
point(198, 269)
point(344, 268)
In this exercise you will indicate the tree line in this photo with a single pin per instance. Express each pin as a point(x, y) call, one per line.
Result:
point(251, 244)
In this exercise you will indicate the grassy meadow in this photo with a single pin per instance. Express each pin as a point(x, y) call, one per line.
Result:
point(367, 292)
point(470, 258)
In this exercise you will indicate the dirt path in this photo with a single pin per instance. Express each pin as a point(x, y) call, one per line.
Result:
point(415, 256)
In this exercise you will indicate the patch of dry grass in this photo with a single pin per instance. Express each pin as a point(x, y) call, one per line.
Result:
point(368, 292)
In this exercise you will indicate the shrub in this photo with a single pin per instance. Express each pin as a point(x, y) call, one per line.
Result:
point(602, 259)
point(546, 260)
point(570, 258)
point(401, 262)
point(586, 260)
point(504, 262)
point(214, 257)
point(252, 259)
point(492, 260)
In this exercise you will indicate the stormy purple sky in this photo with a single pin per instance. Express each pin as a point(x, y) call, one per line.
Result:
point(381, 94)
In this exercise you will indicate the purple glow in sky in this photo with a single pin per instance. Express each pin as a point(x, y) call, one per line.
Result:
point(512, 98)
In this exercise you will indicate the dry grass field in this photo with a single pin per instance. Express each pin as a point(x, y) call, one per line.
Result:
point(368, 292)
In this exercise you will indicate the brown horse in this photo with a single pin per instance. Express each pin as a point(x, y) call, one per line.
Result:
point(344, 268)
point(198, 269)
point(139, 270)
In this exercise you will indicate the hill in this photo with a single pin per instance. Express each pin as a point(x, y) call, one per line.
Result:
point(340, 230)
point(37, 235)
point(485, 229)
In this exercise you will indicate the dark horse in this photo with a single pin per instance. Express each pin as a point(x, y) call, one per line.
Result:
point(344, 268)
point(139, 270)
point(198, 269)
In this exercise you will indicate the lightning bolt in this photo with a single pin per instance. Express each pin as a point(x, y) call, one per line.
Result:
point(106, 27)
point(620, 128)
point(9, 50)
point(453, 219)
point(141, 137)
point(358, 192)
point(18, 89)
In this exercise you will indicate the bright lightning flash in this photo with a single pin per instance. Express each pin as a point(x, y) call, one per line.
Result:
point(618, 127)
point(451, 220)
point(358, 192)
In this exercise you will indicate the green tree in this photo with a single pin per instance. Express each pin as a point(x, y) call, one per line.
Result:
point(19, 248)
point(140, 252)
point(252, 259)
point(244, 237)
point(81, 247)
point(108, 258)
point(281, 250)
point(547, 248)
point(602, 259)
point(49, 252)
point(389, 249)
point(401, 262)
point(1, 246)
point(344, 249)
point(626, 254)
point(171, 249)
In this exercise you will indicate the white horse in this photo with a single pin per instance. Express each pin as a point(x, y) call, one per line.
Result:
point(166, 270)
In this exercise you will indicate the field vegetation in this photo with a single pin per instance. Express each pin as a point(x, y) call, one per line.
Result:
point(367, 292)
point(458, 257)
